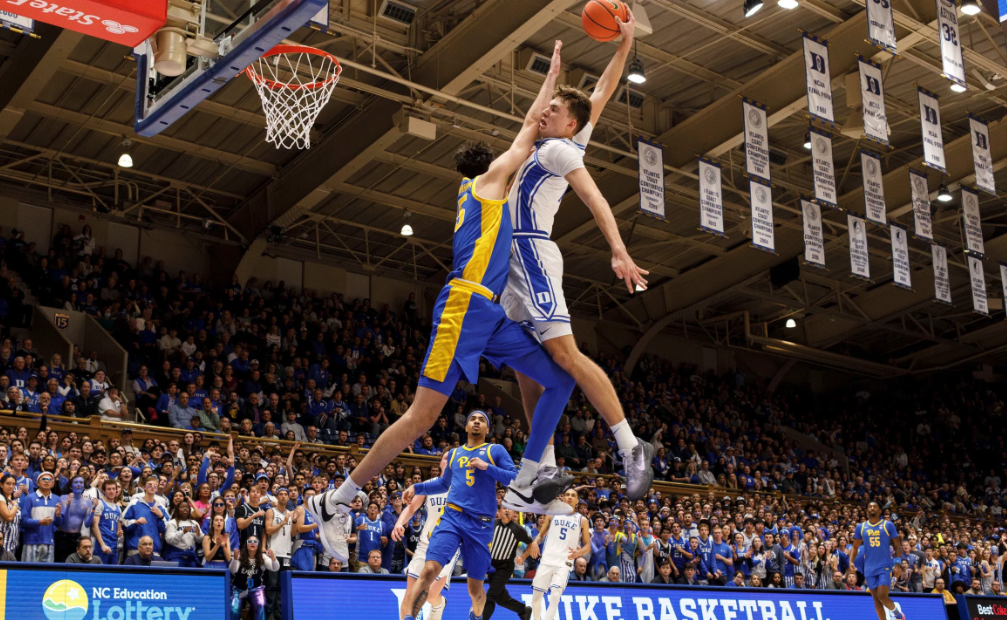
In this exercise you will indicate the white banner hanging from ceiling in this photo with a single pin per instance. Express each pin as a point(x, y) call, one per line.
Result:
point(978, 280)
point(1003, 284)
point(860, 264)
point(920, 191)
point(823, 170)
point(711, 197)
point(972, 222)
point(881, 25)
point(874, 190)
point(816, 73)
point(942, 283)
point(651, 164)
point(981, 154)
point(756, 140)
point(763, 235)
point(900, 258)
point(951, 49)
point(933, 137)
point(814, 239)
point(872, 95)
point(17, 23)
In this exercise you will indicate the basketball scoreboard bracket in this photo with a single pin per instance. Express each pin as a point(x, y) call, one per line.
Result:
point(202, 45)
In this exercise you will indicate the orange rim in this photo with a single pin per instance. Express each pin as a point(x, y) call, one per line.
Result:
point(294, 49)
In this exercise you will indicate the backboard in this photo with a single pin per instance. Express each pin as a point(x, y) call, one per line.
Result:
point(202, 49)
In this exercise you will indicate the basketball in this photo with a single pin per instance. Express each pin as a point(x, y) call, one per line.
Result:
point(599, 19)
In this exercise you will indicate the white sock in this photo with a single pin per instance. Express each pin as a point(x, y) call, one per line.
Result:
point(437, 612)
point(624, 437)
point(527, 472)
point(549, 457)
point(345, 493)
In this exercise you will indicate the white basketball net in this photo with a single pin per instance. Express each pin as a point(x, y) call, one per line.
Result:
point(294, 87)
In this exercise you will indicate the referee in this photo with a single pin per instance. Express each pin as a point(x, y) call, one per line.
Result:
point(506, 536)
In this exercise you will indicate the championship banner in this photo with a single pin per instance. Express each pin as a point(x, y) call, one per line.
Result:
point(933, 140)
point(763, 236)
point(874, 189)
point(922, 224)
point(814, 239)
point(881, 25)
point(711, 197)
point(651, 160)
point(981, 154)
point(822, 168)
point(951, 51)
point(816, 73)
point(1003, 284)
point(972, 223)
point(978, 280)
point(756, 140)
point(900, 258)
point(860, 264)
point(10, 21)
point(942, 282)
point(872, 94)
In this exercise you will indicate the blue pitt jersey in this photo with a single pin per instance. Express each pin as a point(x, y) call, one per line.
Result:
point(471, 489)
point(876, 542)
point(482, 239)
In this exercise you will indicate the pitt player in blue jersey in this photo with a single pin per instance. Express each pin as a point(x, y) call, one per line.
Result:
point(469, 324)
point(879, 537)
point(467, 521)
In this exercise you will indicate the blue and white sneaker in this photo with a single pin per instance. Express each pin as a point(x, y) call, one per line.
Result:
point(897, 612)
point(332, 524)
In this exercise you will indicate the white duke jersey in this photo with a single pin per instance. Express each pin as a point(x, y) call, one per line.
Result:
point(434, 505)
point(540, 182)
point(563, 537)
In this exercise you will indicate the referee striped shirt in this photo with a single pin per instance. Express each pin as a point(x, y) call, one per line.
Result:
point(506, 537)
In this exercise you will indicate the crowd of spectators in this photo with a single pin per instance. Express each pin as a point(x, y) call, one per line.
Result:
point(266, 363)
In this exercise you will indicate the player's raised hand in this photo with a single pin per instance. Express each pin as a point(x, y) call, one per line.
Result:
point(478, 463)
point(627, 28)
point(628, 272)
point(557, 65)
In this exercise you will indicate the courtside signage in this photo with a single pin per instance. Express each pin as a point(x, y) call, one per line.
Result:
point(366, 597)
point(985, 608)
point(129, 22)
point(154, 594)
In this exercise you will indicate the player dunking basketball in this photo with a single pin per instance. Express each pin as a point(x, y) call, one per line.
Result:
point(879, 536)
point(534, 293)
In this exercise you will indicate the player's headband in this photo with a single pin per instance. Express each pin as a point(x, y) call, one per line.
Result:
point(478, 412)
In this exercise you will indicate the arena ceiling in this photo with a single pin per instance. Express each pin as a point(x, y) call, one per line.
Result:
point(68, 103)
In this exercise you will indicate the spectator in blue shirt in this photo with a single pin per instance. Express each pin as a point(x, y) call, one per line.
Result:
point(722, 567)
point(372, 532)
point(144, 518)
point(180, 414)
point(40, 516)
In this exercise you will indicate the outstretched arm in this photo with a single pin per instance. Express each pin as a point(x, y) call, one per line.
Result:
point(623, 266)
point(492, 185)
point(609, 80)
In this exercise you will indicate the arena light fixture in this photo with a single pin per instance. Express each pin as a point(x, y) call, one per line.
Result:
point(752, 7)
point(125, 160)
point(636, 74)
point(791, 323)
point(807, 141)
point(639, 289)
point(958, 88)
point(787, 4)
point(943, 193)
point(971, 7)
point(407, 230)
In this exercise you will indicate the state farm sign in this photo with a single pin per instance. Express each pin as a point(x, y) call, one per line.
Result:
point(129, 22)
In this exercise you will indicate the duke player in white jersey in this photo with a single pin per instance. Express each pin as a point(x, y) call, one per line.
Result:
point(534, 293)
point(567, 537)
point(434, 506)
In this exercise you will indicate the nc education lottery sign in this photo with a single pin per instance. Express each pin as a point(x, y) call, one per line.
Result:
point(154, 594)
point(379, 597)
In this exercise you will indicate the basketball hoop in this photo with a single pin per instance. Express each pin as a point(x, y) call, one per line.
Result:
point(294, 83)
